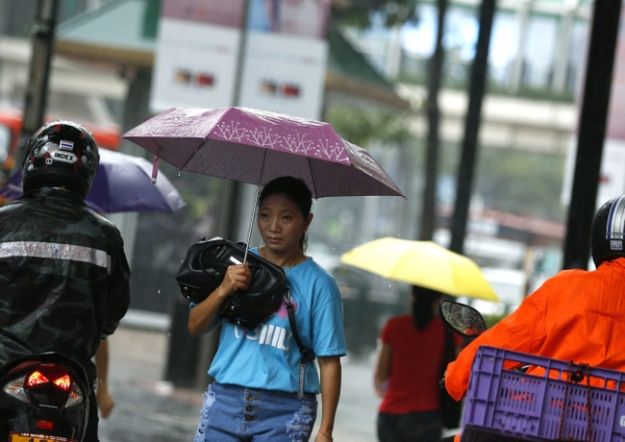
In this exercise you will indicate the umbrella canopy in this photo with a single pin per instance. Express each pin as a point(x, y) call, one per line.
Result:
point(254, 146)
point(122, 184)
point(422, 263)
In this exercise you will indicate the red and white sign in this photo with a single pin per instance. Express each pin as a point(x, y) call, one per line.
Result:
point(196, 58)
point(283, 68)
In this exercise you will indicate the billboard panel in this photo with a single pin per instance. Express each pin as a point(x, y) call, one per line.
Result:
point(286, 56)
point(284, 63)
point(196, 59)
point(284, 75)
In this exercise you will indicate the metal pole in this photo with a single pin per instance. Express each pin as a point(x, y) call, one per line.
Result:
point(234, 189)
point(592, 127)
point(466, 166)
point(435, 73)
point(36, 96)
point(230, 219)
point(240, 67)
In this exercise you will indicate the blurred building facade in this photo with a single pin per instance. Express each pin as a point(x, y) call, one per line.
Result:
point(536, 67)
point(105, 49)
point(101, 74)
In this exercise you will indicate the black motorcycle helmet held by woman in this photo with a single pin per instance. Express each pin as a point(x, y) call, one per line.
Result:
point(608, 231)
point(61, 154)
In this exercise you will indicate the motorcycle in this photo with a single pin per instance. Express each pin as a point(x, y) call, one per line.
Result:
point(44, 397)
point(514, 396)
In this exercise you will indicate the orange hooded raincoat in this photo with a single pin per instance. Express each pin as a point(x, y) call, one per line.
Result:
point(577, 315)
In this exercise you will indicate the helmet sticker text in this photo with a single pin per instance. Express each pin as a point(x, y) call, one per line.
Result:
point(65, 157)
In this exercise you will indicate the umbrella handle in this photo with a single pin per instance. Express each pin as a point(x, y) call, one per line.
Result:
point(249, 230)
point(155, 162)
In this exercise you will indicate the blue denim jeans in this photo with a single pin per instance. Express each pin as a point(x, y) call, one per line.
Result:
point(233, 413)
point(424, 426)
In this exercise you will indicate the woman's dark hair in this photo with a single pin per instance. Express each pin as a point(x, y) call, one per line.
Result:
point(423, 300)
point(294, 189)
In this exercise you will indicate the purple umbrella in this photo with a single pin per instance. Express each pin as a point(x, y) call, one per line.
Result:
point(122, 184)
point(254, 146)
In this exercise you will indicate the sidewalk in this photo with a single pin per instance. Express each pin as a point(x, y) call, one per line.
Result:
point(145, 408)
point(149, 409)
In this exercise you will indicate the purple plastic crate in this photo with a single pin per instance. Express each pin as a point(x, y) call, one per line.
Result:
point(544, 404)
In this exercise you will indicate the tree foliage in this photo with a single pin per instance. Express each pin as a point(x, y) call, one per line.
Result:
point(358, 13)
point(522, 182)
point(362, 127)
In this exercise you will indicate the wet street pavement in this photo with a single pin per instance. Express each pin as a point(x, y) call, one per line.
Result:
point(144, 409)
point(148, 409)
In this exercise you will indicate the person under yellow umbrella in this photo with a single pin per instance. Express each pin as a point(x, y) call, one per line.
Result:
point(414, 348)
point(412, 353)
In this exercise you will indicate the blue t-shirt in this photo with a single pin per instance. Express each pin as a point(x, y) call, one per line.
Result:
point(268, 356)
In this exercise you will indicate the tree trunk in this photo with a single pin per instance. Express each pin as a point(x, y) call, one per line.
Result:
point(428, 212)
point(477, 86)
point(36, 97)
point(592, 128)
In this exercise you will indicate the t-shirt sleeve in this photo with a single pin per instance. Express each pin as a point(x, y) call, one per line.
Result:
point(387, 331)
point(328, 332)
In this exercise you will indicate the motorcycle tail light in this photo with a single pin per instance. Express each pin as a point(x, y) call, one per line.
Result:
point(44, 424)
point(48, 384)
point(64, 382)
point(36, 378)
point(48, 375)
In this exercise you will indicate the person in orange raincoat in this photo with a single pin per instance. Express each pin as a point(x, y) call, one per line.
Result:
point(576, 315)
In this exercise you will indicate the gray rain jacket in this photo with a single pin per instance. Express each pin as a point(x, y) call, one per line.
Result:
point(64, 278)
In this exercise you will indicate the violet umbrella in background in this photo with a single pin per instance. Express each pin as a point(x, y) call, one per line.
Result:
point(123, 184)
point(255, 146)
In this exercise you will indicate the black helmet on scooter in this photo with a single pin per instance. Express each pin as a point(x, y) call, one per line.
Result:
point(61, 153)
point(608, 231)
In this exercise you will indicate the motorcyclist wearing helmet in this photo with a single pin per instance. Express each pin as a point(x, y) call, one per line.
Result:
point(577, 315)
point(64, 278)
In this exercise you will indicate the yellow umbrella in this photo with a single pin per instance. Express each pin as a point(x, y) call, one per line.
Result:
point(423, 263)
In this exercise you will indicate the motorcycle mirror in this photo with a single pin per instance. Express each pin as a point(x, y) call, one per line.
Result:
point(462, 318)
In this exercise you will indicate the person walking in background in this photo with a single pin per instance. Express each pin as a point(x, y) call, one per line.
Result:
point(255, 392)
point(408, 371)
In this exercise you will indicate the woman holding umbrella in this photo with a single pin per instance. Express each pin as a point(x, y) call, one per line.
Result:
point(257, 372)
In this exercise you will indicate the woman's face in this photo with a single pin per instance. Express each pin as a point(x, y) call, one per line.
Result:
point(281, 224)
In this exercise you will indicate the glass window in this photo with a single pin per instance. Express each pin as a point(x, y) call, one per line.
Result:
point(5, 141)
point(503, 45)
point(577, 54)
point(540, 51)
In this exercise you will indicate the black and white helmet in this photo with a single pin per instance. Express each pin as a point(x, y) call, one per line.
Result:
point(61, 153)
point(608, 231)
